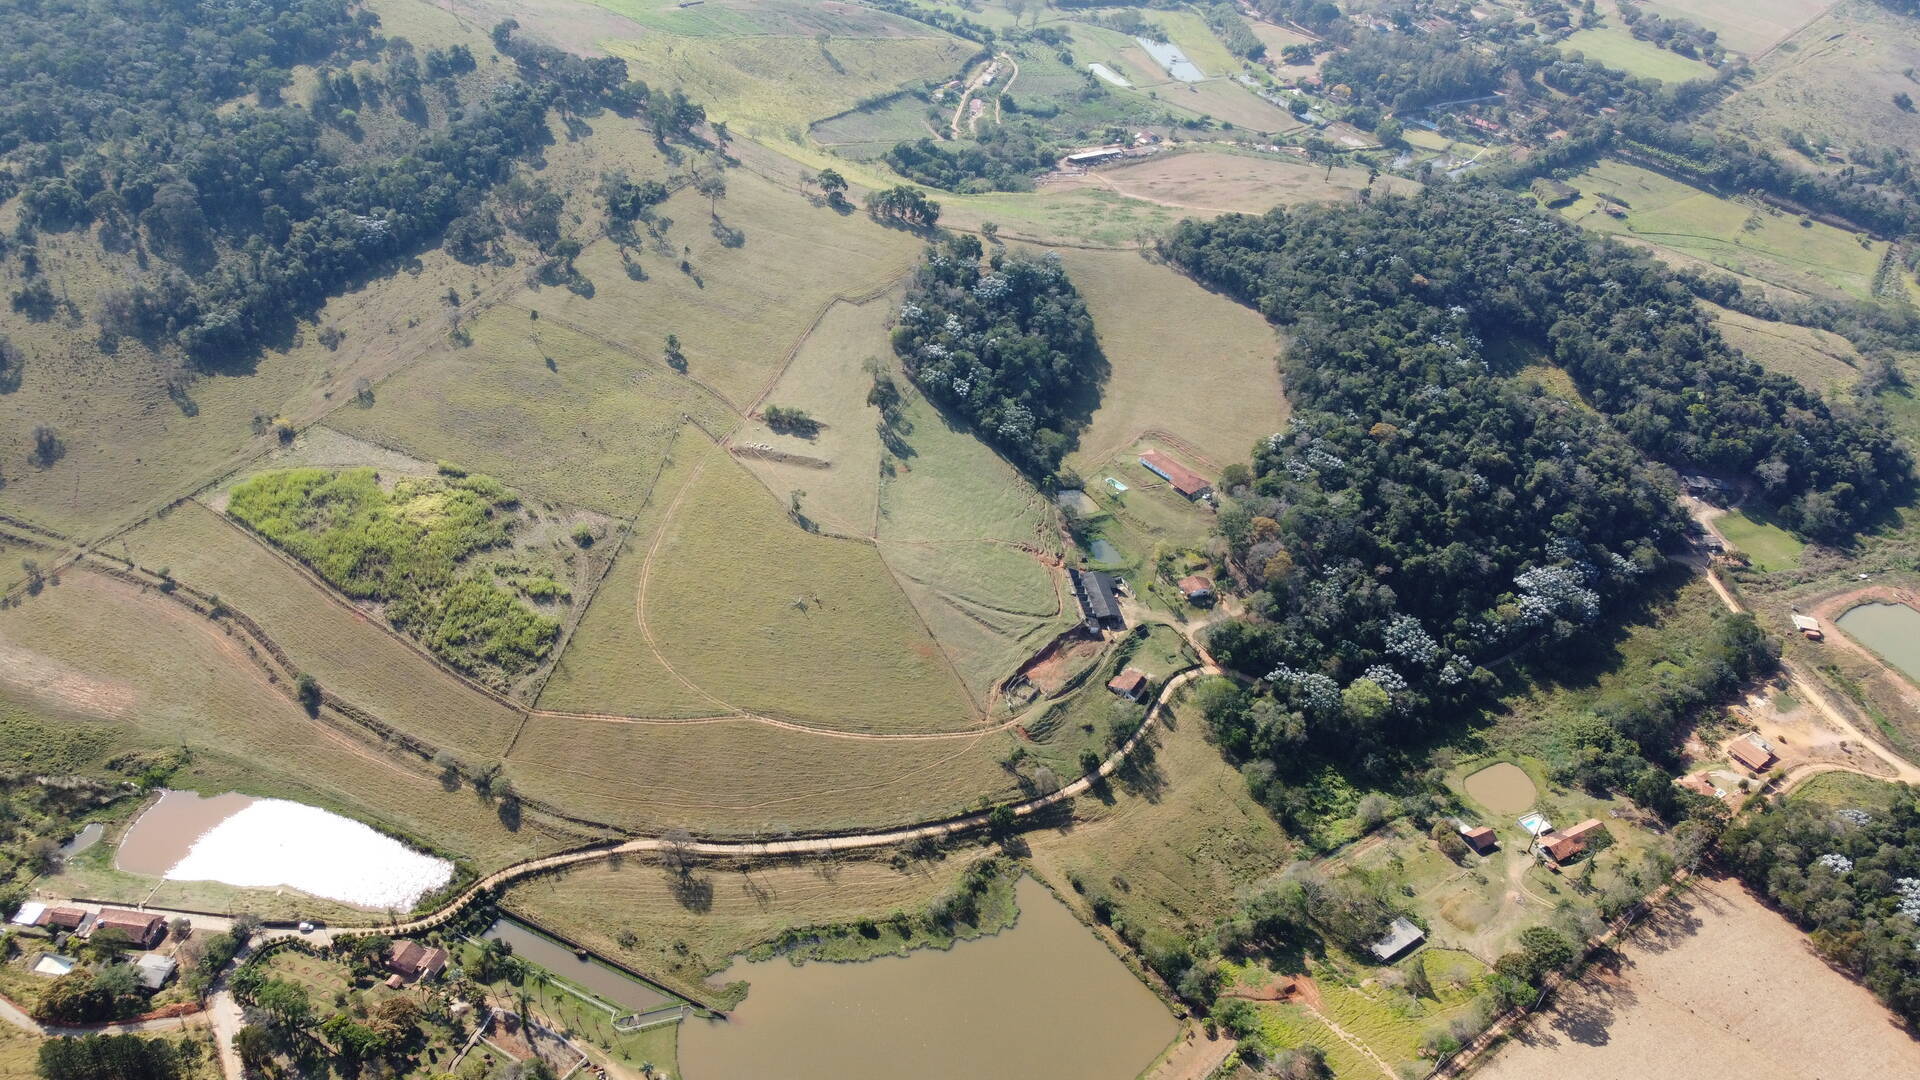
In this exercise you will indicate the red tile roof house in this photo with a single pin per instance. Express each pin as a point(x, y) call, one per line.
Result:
point(1750, 755)
point(414, 961)
point(1480, 839)
point(1184, 480)
point(66, 918)
point(1130, 684)
point(1196, 588)
point(143, 928)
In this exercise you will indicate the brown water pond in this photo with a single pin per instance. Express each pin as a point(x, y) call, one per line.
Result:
point(162, 835)
point(1045, 998)
point(1892, 630)
point(1504, 788)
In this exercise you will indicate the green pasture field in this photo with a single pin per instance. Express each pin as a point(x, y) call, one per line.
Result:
point(635, 911)
point(1768, 546)
point(774, 86)
point(607, 666)
point(98, 650)
point(764, 18)
point(767, 617)
point(739, 777)
point(1149, 515)
point(747, 298)
point(867, 134)
point(1751, 239)
point(966, 536)
point(346, 650)
point(1834, 82)
point(1615, 47)
point(592, 429)
point(1750, 28)
point(1290, 1027)
point(1819, 359)
point(1148, 318)
point(1084, 717)
point(1080, 113)
point(1844, 789)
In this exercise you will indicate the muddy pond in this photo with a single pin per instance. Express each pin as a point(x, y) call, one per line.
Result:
point(1045, 998)
point(1504, 788)
point(1892, 630)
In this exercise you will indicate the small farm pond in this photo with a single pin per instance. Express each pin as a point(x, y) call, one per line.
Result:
point(1102, 551)
point(1892, 630)
point(1045, 998)
point(1504, 788)
point(88, 836)
point(537, 948)
point(273, 843)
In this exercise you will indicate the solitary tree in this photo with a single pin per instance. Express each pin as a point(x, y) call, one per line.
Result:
point(676, 850)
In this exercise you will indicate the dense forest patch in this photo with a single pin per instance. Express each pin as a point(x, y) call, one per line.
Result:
point(1009, 348)
point(1423, 519)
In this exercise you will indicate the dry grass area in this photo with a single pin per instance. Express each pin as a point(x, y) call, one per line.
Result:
point(346, 650)
point(548, 410)
point(828, 378)
point(752, 288)
point(1223, 183)
point(1833, 81)
point(1748, 26)
point(1185, 361)
point(112, 653)
point(638, 913)
point(1176, 842)
point(1820, 359)
point(1718, 974)
point(740, 777)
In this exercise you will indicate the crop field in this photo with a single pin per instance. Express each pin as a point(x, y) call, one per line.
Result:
point(343, 648)
point(635, 911)
point(1820, 359)
point(1834, 81)
point(592, 429)
point(764, 616)
point(102, 651)
point(1750, 28)
point(868, 133)
point(1614, 46)
point(737, 776)
point(1670, 986)
point(1767, 545)
point(1748, 239)
point(754, 18)
point(774, 86)
point(1149, 316)
point(747, 296)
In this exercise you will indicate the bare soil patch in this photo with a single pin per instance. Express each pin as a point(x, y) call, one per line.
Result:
point(1717, 973)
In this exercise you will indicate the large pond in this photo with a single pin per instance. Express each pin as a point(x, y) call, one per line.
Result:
point(1892, 630)
point(1045, 998)
point(1504, 788)
point(536, 948)
point(273, 843)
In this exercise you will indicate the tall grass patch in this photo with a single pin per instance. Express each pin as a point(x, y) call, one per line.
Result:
point(410, 549)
